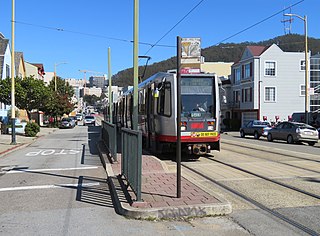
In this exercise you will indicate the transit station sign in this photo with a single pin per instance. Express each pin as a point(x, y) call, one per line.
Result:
point(191, 47)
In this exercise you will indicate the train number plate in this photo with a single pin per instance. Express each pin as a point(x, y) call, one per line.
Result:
point(204, 134)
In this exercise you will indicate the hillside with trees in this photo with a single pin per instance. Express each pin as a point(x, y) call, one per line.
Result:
point(229, 52)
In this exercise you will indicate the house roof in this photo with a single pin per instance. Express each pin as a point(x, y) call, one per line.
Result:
point(40, 68)
point(257, 50)
point(3, 47)
point(17, 57)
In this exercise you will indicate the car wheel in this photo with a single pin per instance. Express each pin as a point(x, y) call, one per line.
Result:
point(256, 135)
point(311, 143)
point(269, 137)
point(290, 139)
point(242, 134)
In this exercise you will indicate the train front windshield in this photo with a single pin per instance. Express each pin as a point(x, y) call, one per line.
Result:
point(197, 97)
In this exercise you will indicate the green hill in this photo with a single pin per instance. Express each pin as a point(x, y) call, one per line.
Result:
point(229, 52)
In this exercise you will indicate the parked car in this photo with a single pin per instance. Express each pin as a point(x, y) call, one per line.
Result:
point(79, 117)
point(67, 123)
point(254, 127)
point(74, 118)
point(294, 132)
point(89, 120)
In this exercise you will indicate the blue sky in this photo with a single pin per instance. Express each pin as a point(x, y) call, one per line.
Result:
point(90, 27)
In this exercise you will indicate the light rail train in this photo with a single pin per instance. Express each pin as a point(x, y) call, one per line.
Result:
point(157, 109)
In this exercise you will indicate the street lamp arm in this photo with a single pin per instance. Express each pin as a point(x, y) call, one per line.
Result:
point(300, 17)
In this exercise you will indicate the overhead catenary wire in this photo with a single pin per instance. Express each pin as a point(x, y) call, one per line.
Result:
point(156, 44)
point(258, 23)
point(88, 34)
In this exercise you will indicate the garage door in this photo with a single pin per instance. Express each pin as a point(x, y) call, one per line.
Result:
point(247, 116)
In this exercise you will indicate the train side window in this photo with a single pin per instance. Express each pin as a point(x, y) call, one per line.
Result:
point(164, 100)
point(141, 103)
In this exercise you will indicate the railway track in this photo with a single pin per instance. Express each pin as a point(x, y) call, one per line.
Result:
point(289, 220)
point(261, 157)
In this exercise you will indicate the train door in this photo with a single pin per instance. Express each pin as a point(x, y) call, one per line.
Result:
point(149, 111)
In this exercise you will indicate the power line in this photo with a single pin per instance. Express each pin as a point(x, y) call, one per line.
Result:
point(89, 34)
point(185, 16)
point(258, 22)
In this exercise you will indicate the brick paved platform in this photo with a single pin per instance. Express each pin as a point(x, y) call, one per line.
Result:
point(159, 193)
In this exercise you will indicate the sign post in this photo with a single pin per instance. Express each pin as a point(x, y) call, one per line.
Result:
point(178, 154)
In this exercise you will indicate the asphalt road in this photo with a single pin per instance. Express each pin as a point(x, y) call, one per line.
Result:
point(57, 186)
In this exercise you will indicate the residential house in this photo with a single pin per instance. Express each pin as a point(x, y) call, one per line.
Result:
point(5, 69)
point(20, 68)
point(266, 84)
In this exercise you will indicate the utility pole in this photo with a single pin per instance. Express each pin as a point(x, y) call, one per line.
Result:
point(135, 65)
point(13, 106)
point(110, 85)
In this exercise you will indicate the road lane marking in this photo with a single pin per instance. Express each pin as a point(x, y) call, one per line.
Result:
point(52, 152)
point(48, 170)
point(48, 187)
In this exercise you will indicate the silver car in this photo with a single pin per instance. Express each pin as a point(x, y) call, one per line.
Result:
point(293, 132)
point(67, 123)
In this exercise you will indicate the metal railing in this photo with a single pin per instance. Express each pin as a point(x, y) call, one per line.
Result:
point(131, 159)
point(109, 136)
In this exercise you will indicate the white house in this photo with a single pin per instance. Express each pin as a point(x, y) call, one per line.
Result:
point(267, 84)
point(5, 68)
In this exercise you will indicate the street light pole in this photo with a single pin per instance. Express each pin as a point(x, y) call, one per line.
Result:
point(306, 115)
point(13, 111)
point(55, 74)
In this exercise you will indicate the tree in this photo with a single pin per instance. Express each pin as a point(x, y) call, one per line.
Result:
point(33, 96)
point(90, 99)
point(30, 93)
point(57, 105)
point(63, 87)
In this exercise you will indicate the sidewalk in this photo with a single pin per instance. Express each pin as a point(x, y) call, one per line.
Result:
point(159, 193)
point(21, 140)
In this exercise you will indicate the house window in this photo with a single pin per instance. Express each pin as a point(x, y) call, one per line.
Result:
point(248, 95)
point(236, 96)
point(302, 90)
point(270, 94)
point(7, 70)
point(270, 68)
point(237, 75)
point(302, 65)
point(247, 71)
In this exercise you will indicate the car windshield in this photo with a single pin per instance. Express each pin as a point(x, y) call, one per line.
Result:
point(89, 117)
point(66, 119)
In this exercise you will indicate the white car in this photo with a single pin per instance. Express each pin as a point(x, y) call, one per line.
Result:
point(89, 120)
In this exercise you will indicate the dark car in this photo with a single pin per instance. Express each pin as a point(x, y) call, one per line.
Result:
point(294, 132)
point(254, 128)
point(89, 120)
point(67, 123)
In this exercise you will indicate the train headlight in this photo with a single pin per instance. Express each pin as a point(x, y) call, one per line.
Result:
point(210, 125)
point(183, 126)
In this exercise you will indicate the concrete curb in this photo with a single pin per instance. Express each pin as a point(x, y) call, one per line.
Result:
point(176, 212)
